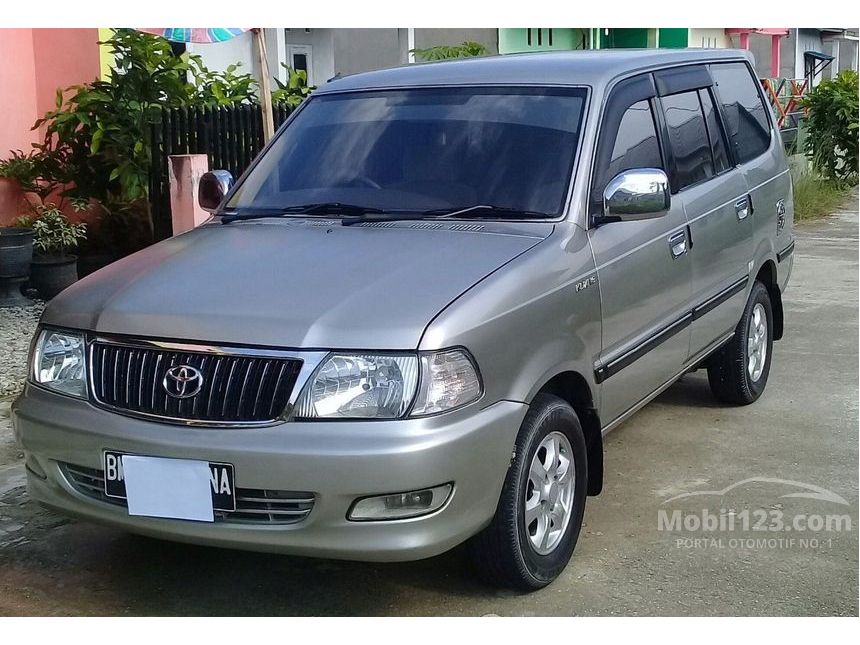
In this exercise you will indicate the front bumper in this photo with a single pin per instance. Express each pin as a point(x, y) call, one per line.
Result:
point(337, 461)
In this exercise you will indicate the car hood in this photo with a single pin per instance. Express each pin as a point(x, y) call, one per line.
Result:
point(296, 284)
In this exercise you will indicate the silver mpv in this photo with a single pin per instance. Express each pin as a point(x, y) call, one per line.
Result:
point(411, 321)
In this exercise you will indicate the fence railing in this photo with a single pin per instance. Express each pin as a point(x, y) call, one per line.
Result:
point(231, 136)
point(785, 95)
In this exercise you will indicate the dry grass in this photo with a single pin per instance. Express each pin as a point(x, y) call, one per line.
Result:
point(815, 197)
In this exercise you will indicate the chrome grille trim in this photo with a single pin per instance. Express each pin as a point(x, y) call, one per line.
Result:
point(253, 505)
point(144, 361)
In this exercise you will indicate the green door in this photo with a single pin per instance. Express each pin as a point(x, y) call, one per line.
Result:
point(624, 37)
point(673, 37)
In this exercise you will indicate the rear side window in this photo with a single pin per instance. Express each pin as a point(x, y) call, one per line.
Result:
point(636, 144)
point(715, 133)
point(745, 113)
point(688, 139)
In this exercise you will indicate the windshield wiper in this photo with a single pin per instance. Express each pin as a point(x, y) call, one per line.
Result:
point(318, 208)
point(476, 211)
point(488, 211)
point(355, 214)
point(382, 216)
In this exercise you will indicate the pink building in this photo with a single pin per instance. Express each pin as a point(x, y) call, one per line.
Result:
point(33, 64)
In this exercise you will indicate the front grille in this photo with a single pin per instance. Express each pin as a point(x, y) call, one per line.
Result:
point(235, 388)
point(253, 505)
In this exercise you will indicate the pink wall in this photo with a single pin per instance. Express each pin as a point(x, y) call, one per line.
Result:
point(33, 64)
point(64, 57)
point(18, 80)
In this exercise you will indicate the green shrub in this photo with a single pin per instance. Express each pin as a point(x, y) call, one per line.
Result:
point(831, 141)
point(221, 88)
point(295, 90)
point(467, 49)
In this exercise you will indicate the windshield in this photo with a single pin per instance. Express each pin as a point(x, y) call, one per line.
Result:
point(418, 150)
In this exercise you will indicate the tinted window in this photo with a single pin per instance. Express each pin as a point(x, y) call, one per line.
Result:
point(424, 149)
point(688, 139)
point(715, 133)
point(744, 112)
point(636, 143)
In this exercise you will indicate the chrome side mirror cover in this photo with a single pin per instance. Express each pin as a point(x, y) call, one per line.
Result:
point(637, 194)
point(213, 186)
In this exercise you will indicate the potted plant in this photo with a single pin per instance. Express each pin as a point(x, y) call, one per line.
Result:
point(53, 268)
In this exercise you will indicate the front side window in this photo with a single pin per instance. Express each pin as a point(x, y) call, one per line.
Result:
point(744, 111)
point(424, 150)
point(688, 139)
point(636, 144)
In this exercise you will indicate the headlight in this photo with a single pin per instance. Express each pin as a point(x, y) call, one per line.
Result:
point(361, 385)
point(383, 386)
point(59, 362)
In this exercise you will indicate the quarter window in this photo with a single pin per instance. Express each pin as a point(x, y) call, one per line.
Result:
point(743, 110)
point(688, 139)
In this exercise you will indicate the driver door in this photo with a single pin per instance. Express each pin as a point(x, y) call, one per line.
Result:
point(643, 268)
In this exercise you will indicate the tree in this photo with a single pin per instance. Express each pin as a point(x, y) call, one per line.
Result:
point(831, 122)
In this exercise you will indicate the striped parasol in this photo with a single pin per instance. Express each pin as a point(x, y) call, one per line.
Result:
point(197, 35)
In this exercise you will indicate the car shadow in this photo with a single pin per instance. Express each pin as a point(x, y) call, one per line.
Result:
point(153, 577)
point(691, 390)
point(81, 568)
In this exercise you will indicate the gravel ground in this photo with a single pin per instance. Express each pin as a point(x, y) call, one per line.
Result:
point(17, 325)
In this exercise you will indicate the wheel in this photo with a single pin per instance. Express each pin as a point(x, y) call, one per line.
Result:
point(534, 531)
point(739, 371)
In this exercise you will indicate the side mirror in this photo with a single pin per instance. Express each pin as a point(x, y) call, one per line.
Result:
point(633, 195)
point(213, 186)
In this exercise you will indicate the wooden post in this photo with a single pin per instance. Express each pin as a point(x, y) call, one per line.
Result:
point(265, 87)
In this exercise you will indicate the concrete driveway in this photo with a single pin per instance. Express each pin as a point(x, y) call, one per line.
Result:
point(791, 457)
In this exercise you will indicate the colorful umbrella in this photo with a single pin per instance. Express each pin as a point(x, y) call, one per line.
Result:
point(201, 35)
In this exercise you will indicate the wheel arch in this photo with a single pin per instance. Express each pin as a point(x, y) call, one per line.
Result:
point(572, 387)
point(767, 275)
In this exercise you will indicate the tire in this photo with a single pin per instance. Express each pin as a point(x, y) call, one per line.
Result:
point(504, 553)
point(731, 374)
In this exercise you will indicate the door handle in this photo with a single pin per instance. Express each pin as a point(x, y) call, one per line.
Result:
point(678, 244)
point(743, 207)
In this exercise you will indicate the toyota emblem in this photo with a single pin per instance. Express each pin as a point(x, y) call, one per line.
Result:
point(183, 381)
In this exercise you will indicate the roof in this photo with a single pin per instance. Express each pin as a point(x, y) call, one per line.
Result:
point(580, 67)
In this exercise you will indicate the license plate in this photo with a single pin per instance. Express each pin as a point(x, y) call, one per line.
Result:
point(220, 481)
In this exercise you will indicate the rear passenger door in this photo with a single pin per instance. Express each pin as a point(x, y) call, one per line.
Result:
point(755, 146)
point(714, 196)
point(643, 268)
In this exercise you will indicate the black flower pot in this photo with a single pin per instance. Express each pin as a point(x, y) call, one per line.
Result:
point(50, 274)
point(16, 252)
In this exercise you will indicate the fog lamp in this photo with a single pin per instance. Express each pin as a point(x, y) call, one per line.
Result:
point(401, 505)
